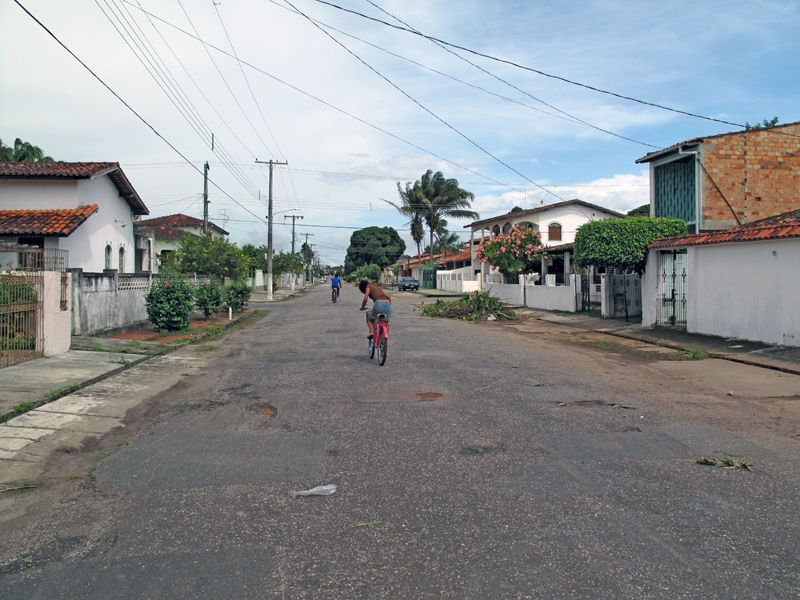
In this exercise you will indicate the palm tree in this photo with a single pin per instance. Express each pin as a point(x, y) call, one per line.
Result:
point(23, 152)
point(409, 207)
point(443, 198)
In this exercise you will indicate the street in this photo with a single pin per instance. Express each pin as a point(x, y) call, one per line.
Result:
point(493, 460)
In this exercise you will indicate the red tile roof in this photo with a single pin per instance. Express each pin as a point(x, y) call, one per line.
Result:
point(65, 170)
point(178, 220)
point(44, 222)
point(463, 255)
point(784, 226)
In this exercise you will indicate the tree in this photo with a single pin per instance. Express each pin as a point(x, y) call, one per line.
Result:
point(435, 198)
point(622, 244)
point(513, 253)
point(214, 257)
point(286, 262)
point(767, 123)
point(516, 209)
point(23, 152)
point(411, 206)
point(257, 255)
point(373, 245)
point(446, 241)
point(639, 211)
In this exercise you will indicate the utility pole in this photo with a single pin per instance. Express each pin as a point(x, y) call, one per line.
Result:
point(307, 236)
point(205, 199)
point(271, 164)
point(294, 220)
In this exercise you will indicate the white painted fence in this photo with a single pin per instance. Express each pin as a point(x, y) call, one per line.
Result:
point(554, 297)
point(510, 293)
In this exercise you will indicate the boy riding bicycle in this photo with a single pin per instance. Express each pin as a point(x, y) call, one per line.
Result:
point(382, 304)
point(336, 284)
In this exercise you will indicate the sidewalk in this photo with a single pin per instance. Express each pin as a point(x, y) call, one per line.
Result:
point(782, 358)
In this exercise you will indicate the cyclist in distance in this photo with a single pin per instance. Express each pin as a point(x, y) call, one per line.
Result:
point(336, 283)
point(381, 304)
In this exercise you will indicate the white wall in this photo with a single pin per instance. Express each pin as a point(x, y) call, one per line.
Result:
point(57, 323)
point(510, 293)
point(553, 297)
point(746, 290)
point(570, 217)
point(650, 289)
point(87, 243)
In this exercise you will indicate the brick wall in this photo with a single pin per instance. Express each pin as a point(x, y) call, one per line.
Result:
point(758, 172)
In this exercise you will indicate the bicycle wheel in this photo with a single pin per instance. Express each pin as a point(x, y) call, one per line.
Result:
point(383, 348)
point(371, 347)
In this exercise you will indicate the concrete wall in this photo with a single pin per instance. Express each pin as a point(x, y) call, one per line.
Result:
point(57, 323)
point(510, 293)
point(650, 289)
point(107, 300)
point(553, 297)
point(746, 290)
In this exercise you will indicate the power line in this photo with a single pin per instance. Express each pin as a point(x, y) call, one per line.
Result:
point(328, 104)
point(422, 106)
point(128, 106)
point(524, 68)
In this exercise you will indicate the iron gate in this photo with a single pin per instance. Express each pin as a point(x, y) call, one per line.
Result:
point(21, 317)
point(428, 279)
point(671, 298)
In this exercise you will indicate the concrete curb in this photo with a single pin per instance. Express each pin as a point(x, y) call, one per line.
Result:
point(60, 393)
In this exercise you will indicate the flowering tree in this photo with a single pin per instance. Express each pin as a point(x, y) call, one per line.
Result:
point(513, 253)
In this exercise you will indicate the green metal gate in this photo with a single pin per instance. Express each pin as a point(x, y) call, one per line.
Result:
point(428, 279)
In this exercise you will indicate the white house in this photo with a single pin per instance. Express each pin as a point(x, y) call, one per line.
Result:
point(742, 283)
point(84, 209)
point(556, 223)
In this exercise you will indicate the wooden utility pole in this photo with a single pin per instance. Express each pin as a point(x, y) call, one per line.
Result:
point(271, 164)
point(205, 199)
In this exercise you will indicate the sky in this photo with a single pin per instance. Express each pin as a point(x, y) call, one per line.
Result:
point(501, 99)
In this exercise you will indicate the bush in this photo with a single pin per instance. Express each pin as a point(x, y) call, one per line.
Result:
point(207, 297)
point(169, 303)
point(622, 244)
point(237, 295)
point(476, 306)
point(518, 251)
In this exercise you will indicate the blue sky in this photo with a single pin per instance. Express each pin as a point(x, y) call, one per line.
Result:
point(731, 61)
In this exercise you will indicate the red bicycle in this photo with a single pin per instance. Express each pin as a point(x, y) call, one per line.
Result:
point(380, 342)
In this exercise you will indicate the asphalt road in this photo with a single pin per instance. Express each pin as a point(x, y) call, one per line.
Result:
point(480, 462)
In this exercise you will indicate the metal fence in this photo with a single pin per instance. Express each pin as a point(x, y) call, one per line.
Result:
point(671, 298)
point(44, 259)
point(21, 318)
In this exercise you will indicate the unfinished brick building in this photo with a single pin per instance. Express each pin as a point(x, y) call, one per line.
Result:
point(727, 180)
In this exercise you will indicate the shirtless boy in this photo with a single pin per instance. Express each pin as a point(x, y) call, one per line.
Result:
point(381, 304)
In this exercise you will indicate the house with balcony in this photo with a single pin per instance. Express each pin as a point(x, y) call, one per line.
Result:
point(556, 224)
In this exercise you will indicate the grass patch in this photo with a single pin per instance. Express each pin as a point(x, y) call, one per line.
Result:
point(97, 348)
point(693, 353)
point(477, 306)
point(134, 344)
point(206, 347)
point(23, 407)
point(607, 344)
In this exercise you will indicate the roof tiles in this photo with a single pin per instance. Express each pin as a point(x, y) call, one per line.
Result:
point(783, 226)
point(44, 222)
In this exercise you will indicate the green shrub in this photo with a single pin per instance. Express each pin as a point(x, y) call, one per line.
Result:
point(237, 295)
point(207, 297)
point(169, 303)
